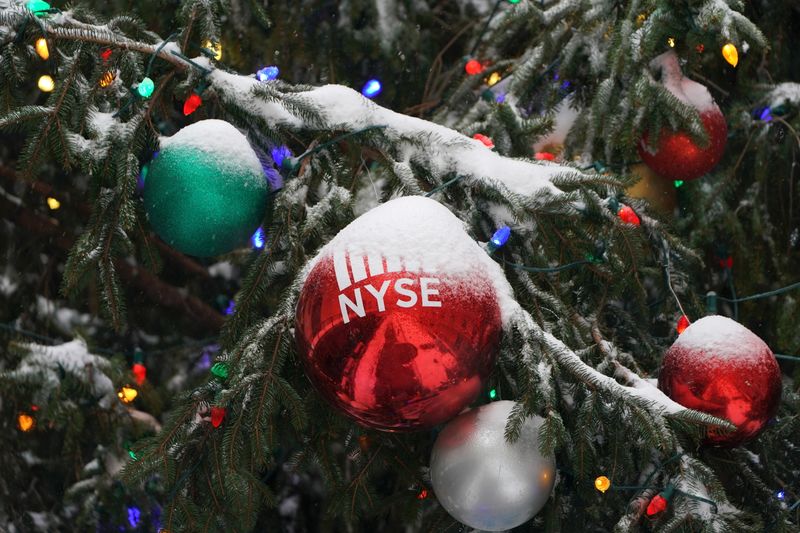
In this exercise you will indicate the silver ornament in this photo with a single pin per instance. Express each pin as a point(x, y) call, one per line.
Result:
point(482, 480)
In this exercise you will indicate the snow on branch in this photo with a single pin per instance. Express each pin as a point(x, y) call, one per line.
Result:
point(640, 391)
point(441, 149)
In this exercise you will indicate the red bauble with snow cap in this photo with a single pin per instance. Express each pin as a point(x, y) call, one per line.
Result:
point(720, 367)
point(400, 316)
point(677, 156)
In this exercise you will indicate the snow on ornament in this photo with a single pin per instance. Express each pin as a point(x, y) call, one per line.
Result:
point(720, 367)
point(677, 156)
point(205, 193)
point(400, 316)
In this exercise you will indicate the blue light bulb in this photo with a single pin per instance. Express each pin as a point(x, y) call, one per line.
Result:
point(134, 515)
point(279, 153)
point(766, 115)
point(231, 308)
point(500, 237)
point(781, 495)
point(372, 88)
point(258, 239)
point(268, 73)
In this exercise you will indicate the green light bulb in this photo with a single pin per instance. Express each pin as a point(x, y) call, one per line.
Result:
point(493, 394)
point(678, 183)
point(37, 6)
point(145, 88)
point(133, 455)
point(513, 1)
point(220, 370)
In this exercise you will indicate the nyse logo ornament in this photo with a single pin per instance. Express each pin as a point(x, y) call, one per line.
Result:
point(389, 331)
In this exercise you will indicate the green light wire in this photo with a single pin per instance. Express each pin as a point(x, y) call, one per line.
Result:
point(548, 270)
point(762, 294)
point(485, 27)
point(443, 186)
point(155, 54)
point(291, 164)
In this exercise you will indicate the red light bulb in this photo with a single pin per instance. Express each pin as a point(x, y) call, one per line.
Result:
point(105, 55)
point(628, 215)
point(544, 156)
point(484, 139)
point(683, 323)
point(473, 67)
point(139, 372)
point(191, 104)
point(656, 506)
point(217, 416)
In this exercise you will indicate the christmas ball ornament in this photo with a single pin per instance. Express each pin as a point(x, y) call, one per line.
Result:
point(399, 319)
point(677, 156)
point(484, 481)
point(205, 193)
point(719, 367)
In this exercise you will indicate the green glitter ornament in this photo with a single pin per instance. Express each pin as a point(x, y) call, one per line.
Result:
point(206, 193)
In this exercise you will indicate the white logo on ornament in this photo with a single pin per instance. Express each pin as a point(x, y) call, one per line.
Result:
point(404, 287)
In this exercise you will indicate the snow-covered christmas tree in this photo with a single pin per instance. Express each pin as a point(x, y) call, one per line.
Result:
point(384, 265)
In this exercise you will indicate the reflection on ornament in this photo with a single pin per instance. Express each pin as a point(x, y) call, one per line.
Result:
point(483, 480)
point(127, 394)
point(731, 54)
point(41, 48)
point(107, 79)
point(602, 483)
point(52, 203)
point(216, 48)
point(400, 341)
point(46, 83)
point(25, 422)
point(719, 367)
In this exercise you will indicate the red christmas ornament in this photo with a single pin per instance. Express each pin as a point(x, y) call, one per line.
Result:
point(719, 367)
point(628, 215)
point(544, 156)
point(473, 67)
point(139, 373)
point(217, 416)
point(657, 505)
point(683, 323)
point(398, 321)
point(677, 156)
point(193, 101)
point(484, 139)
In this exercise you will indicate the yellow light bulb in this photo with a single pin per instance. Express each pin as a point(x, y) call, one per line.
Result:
point(671, 42)
point(731, 54)
point(214, 47)
point(52, 203)
point(25, 422)
point(640, 18)
point(127, 394)
point(493, 78)
point(107, 79)
point(602, 483)
point(41, 48)
point(46, 84)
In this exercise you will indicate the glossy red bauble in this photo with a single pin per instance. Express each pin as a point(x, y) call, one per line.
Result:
point(387, 333)
point(678, 157)
point(719, 367)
